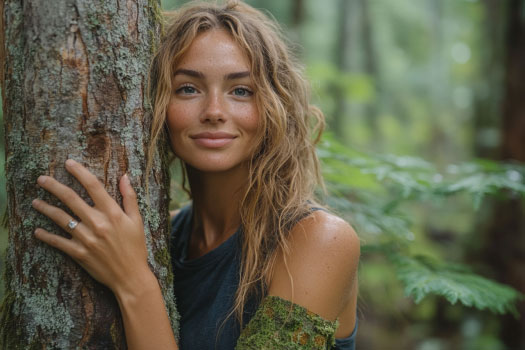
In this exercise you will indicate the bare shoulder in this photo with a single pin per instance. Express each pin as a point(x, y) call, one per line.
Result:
point(320, 268)
point(327, 234)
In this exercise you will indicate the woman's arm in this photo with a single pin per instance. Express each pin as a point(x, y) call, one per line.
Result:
point(145, 318)
point(302, 313)
point(322, 262)
point(109, 244)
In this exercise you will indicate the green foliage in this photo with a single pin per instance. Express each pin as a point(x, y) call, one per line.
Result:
point(414, 178)
point(369, 191)
point(357, 86)
point(422, 275)
point(484, 177)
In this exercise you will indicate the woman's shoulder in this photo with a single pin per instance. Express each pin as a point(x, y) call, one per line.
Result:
point(322, 258)
point(325, 238)
point(322, 229)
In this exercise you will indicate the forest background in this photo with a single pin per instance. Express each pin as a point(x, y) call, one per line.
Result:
point(414, 95)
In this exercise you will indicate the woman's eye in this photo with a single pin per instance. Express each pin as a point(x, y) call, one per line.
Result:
point(187, 90)
point(242, 92)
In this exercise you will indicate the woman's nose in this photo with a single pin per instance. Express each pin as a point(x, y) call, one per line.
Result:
point(214, 109)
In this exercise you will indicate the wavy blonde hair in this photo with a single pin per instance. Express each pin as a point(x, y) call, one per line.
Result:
point(284, 169)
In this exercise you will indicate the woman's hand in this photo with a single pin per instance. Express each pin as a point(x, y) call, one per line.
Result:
point(108, 242)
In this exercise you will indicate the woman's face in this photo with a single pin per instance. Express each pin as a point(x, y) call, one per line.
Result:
point(212, 116)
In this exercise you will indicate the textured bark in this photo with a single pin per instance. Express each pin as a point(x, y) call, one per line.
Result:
point(74, 75)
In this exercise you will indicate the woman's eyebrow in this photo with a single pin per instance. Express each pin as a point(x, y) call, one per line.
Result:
point(237, 75)
point(196, 74)
point(190, 72)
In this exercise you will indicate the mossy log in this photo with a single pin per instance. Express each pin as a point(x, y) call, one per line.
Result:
point(74, 74)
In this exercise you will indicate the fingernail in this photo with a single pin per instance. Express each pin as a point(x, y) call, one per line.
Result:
point(41, 180)
point(35, 202)
point(70, 162)
point(126, 178)
point(37, 231)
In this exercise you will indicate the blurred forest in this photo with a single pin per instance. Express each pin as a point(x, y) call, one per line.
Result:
point(424, 156)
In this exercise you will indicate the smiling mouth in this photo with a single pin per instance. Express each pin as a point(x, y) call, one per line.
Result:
point(213, 139)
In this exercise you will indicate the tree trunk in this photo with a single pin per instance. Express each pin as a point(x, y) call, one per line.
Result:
point(504, 248)
point(487, 112)
point(370, 67)
point(439, 145)
point(343, 60)
point(74, 74)
point(298, 13)
point(513, 142)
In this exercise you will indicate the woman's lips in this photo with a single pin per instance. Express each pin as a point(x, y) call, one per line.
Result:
point(213, 139)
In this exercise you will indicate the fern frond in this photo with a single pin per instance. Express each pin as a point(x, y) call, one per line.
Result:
point(422, 276)
point(414, 178)
point(371, 218)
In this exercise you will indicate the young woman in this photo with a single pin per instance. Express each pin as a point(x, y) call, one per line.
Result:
point(257, 263)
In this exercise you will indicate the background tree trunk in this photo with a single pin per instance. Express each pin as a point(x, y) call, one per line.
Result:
point(343, 61)
point(298, 12)
point(370, 65)
point(74, 77)
point(504, 245)
point(487, 111)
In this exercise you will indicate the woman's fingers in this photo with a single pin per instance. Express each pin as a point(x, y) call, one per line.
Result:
point(68, 246)
point(129, 199)
point(59, 216)
point(66, 196)
point(106, 216)
point(95, 189)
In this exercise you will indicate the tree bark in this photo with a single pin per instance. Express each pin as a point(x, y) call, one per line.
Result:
point(74, 74)
point(504, 248)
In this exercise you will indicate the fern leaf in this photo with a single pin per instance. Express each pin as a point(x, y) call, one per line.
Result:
point(373, 219)
point(422, 276)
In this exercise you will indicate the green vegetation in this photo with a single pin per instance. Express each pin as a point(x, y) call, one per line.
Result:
point(369, 190)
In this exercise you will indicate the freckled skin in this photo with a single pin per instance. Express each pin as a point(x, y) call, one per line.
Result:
point(213, 103)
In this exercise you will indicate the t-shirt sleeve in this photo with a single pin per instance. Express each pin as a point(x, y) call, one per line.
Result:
point(279, 324)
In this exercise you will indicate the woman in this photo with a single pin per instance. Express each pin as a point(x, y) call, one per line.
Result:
point(256, 262)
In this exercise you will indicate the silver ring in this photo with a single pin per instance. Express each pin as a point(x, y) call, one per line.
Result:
point(72, 224)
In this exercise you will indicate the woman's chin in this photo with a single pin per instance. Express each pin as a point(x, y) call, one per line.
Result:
point(216, 166)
